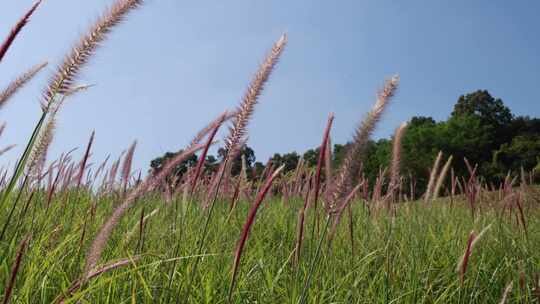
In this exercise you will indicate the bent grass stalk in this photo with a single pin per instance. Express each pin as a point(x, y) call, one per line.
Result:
point(432, 177)
point(247, 227)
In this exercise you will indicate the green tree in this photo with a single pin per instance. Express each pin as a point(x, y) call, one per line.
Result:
point(466, 136)
point(523, 151)
point(421, 143)
point(311, 157)
point(490, 111)
point(290, 160)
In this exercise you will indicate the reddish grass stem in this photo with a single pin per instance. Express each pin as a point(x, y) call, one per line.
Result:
point(247, 227)
point(16, 30)
point(85, 159)
point(202, 157)
point(15, 270)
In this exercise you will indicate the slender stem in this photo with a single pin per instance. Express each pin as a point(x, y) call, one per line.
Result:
point(302, 299)
point(12, 210)
point(22, 162)
point(205, 228)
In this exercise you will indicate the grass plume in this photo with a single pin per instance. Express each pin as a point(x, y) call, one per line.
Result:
point(66, 74)
point(245, 111)
point(432, 177)
point(350, 165)
point(126, 166)
point(18, 83)
point(396, 159)
point(442, 177)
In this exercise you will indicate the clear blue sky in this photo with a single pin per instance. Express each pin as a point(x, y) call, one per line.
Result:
point(174, 65)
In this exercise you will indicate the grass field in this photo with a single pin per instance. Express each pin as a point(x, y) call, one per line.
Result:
point(76, 232)
point(409, 258)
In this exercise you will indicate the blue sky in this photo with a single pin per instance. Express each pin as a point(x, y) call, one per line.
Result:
point(175, 65)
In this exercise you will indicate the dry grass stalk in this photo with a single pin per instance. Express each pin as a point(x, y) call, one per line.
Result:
point(297, 176)
point(254, 90)
point(350, 165)
point(432, 177)
point(464, 261)
point(320, 161)
point(472, 170)
point(39, 153)
point(17, 29)
point(506, 292)
point(247, 226)
point(38, 156)
point(396, 159)
point(99, 271)
point(328, 166)
point(453, 184)
point(66, 74)
point(113, 172)
point(442, 177)
point(18, 83)
point(537, 287)
point(6, 149)
point(377, 196)
point(101, 167)
point(518, 202)
point(2, 128)
point(85, 159)
point(238, 131)
point(126, 166)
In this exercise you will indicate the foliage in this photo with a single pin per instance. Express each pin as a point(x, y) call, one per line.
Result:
point(290, 160)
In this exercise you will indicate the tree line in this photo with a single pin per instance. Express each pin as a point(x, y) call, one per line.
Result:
point(480, 128)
